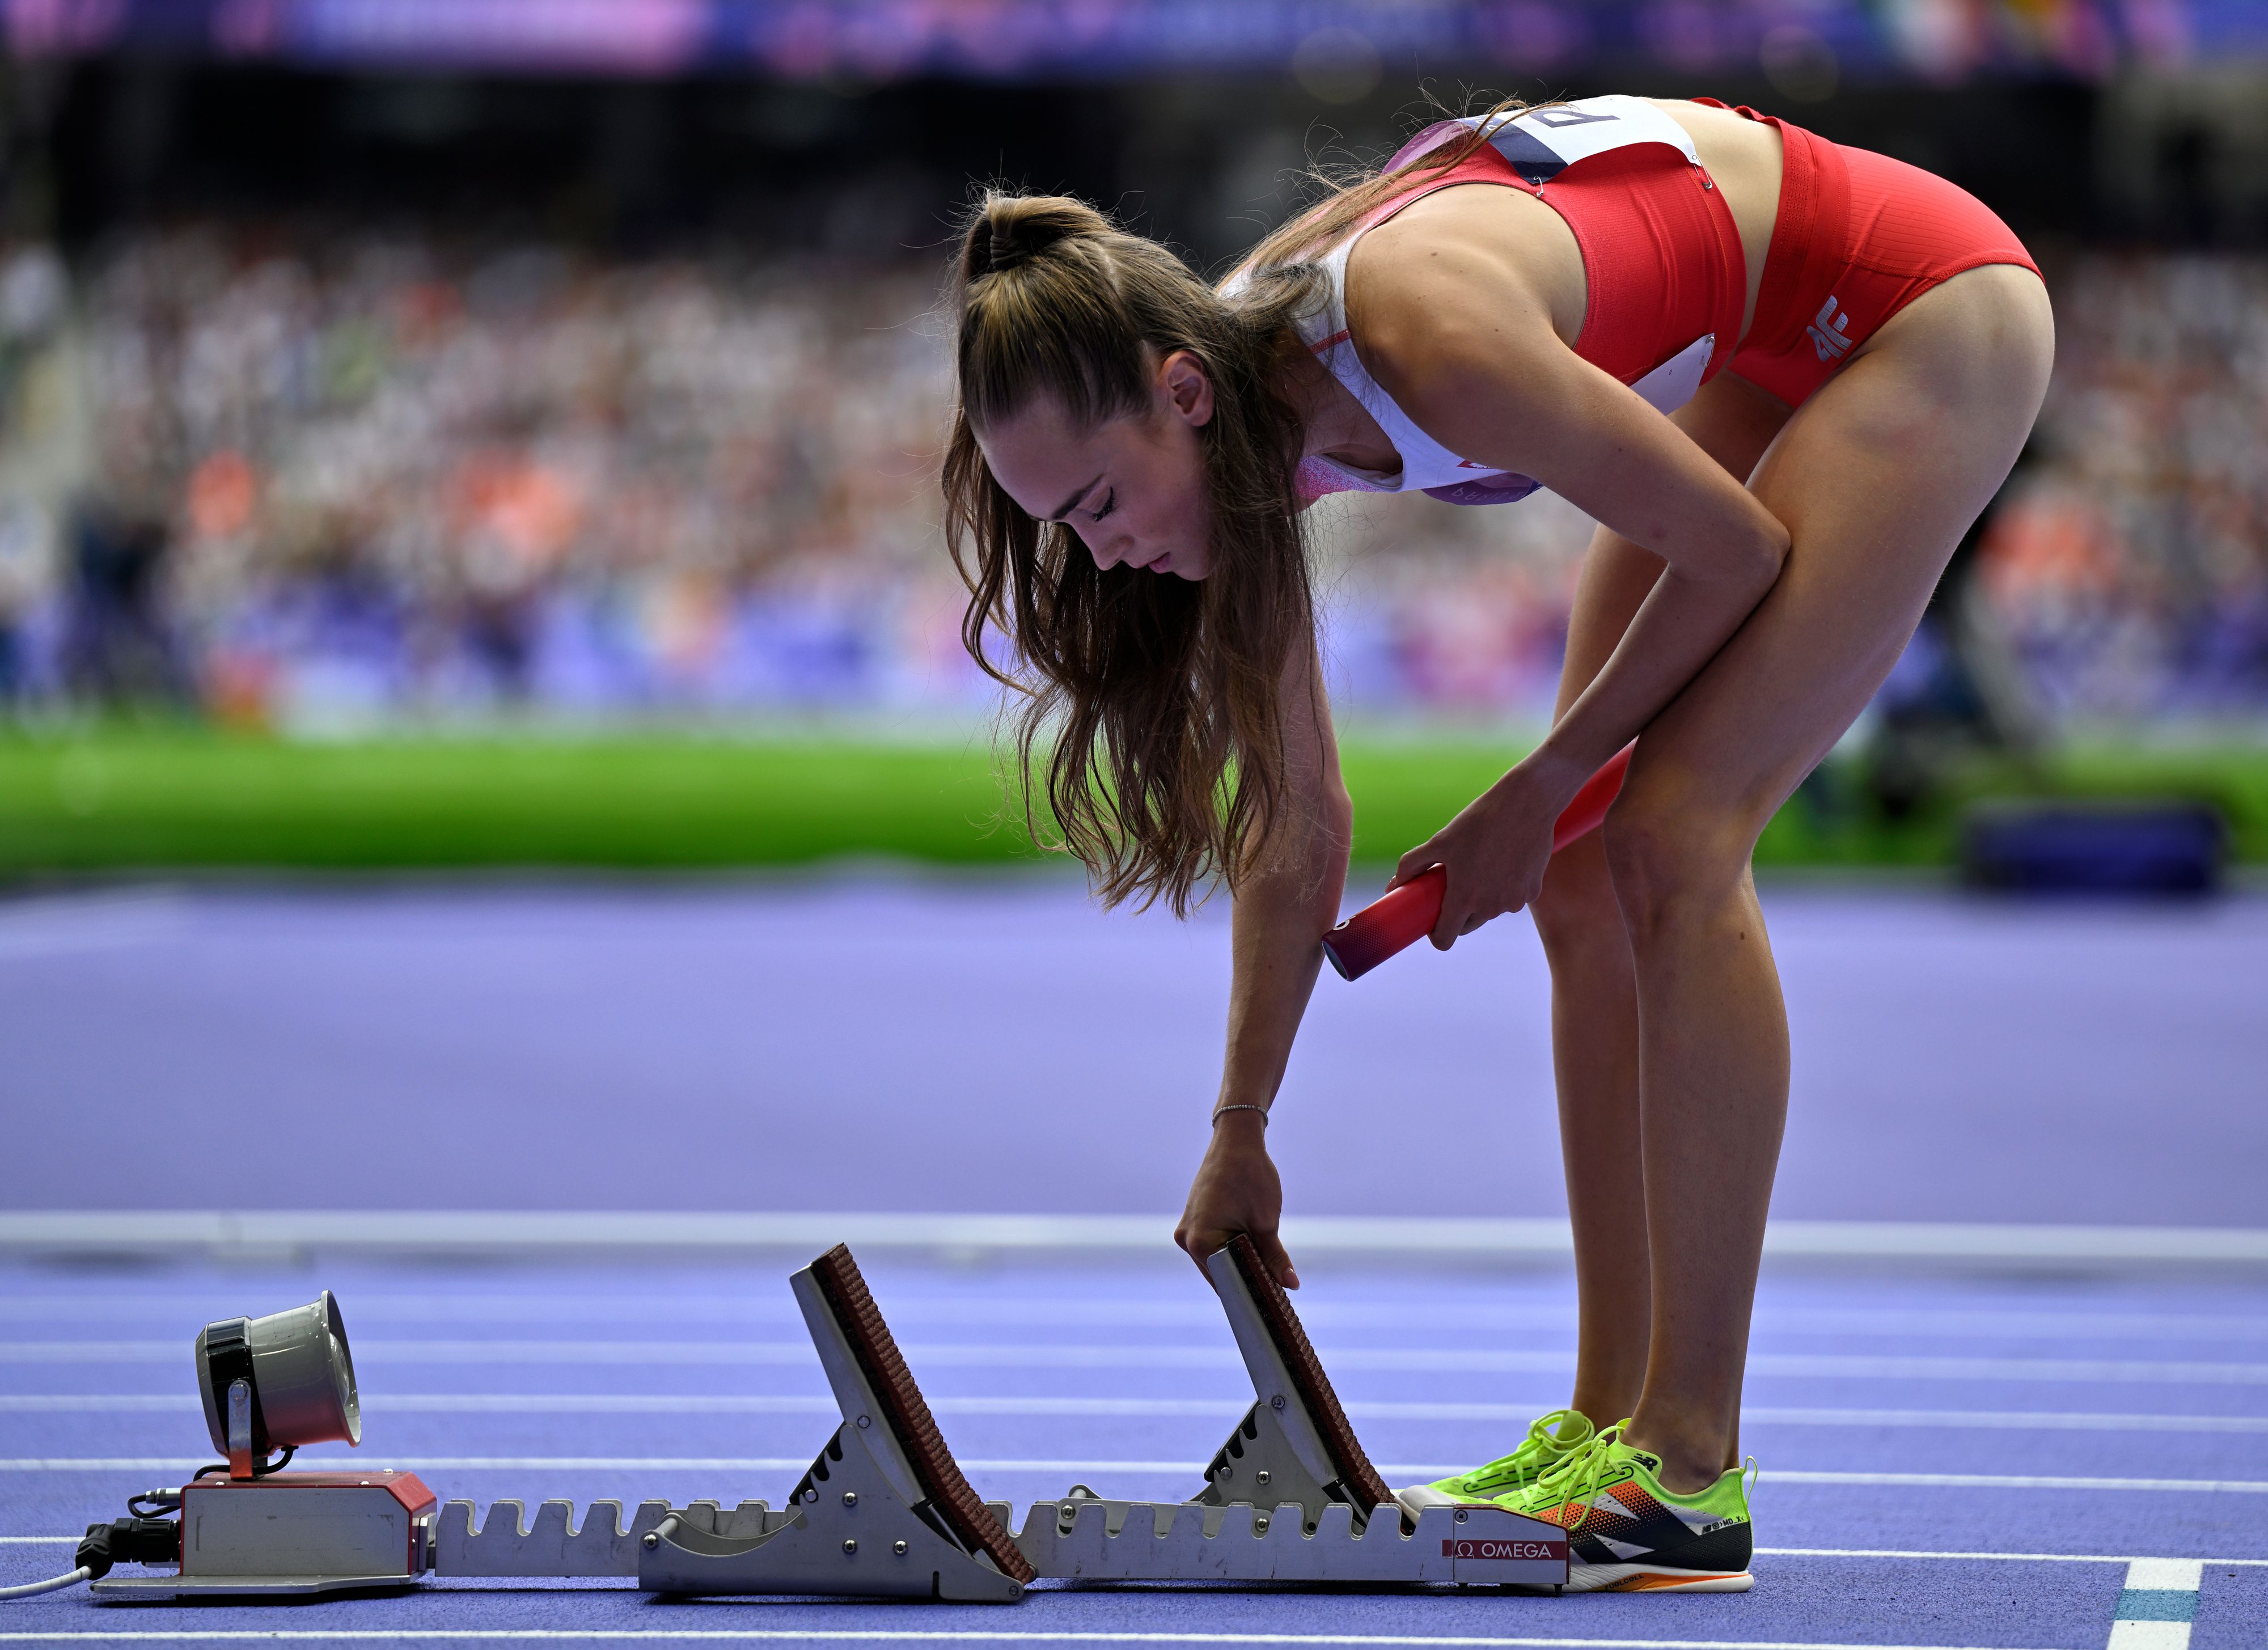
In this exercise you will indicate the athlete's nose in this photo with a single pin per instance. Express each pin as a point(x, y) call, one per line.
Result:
point(1110, 552)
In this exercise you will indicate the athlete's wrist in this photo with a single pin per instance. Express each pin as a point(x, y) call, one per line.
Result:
point(1556, 769)
point(1240, 1122)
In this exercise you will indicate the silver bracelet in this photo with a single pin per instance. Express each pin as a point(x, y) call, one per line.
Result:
point(1263, 1110)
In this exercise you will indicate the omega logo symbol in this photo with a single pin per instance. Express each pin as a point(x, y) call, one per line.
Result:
point(1499, 1550)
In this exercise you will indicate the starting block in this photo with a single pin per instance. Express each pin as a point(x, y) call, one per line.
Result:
point(1291, 1496)
point(885, 1511)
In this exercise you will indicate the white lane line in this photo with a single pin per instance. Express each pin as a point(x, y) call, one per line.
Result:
point(2179, 1575)
point(2007, 1558)
point(603, 1404)
point(2008, 1420)
point(2149, 1635)
point(1999, 1481)
point(980, 1355)
point(1387, 1409)
point(1393, 1470)
point(481, 1307)
point(393, 1233)
point(2129, 1560)
point(908, 1636)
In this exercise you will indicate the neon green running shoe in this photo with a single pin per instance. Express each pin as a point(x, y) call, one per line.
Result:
point(1551, 1438)
point(1627, 1534)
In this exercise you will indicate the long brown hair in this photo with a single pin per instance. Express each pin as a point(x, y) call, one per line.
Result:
point(1155, 701)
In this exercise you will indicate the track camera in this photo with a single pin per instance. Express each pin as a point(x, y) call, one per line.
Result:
point(277, 1382)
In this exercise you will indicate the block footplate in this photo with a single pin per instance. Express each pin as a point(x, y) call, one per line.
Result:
point(884, 1510)
point(1291, 1496)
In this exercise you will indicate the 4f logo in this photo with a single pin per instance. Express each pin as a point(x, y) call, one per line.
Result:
point(1830, 331)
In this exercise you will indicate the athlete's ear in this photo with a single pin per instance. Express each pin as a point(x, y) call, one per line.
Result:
point(1187, 388)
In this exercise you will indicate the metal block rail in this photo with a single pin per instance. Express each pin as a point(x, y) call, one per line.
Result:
point(1291, 1496)
point(885, 1511)
point(505, 1546)
point(1090, 1539)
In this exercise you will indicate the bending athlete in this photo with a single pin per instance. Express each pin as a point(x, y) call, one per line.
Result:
point(1849, 353)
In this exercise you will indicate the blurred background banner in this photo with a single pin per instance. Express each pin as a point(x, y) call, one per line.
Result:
point(888, 39)
point(566, 376)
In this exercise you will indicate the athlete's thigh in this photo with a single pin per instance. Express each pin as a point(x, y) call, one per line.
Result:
point(1875, 477)
point(1733, 422)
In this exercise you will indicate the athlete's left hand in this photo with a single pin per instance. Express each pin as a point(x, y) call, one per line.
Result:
point(1497, 850)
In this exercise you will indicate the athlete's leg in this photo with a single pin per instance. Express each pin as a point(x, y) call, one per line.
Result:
point(1594, 1036)
point(1594, 1041)
point(1876, 477)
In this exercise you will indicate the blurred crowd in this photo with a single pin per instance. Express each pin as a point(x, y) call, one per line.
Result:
point(378, 477)
point(2129, 561)
point(316, 483)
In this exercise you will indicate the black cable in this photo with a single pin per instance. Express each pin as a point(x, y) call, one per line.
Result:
point(126, 1541)
point(260, 1468)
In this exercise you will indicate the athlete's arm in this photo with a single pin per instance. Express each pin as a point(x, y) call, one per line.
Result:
point(1461, 337)
point(1286, 904)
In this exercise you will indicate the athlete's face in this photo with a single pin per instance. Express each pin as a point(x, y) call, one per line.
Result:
point(1132, 487)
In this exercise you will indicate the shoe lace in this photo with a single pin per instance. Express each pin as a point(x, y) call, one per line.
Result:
point(1588, 1466)
point(1543, 1444)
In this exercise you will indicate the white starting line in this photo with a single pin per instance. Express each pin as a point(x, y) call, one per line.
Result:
point(1045, 1355)
point(910, 1636)
point(1056, 1312)
point(1385, 1410)
point(2155, 1610)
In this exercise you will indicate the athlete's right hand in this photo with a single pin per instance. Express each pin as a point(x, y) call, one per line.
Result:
point(1237, 1189)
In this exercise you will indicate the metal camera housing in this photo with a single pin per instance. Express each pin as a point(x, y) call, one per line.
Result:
point(300, 1370)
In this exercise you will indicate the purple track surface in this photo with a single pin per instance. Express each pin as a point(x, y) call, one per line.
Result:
point(992, 1046)
point(2062, 1415)
point(996, 1046)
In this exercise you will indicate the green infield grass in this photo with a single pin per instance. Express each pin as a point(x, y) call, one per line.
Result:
point(121, 799)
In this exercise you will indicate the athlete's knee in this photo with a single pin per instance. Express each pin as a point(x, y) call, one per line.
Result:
point(1576, 914)
point(1674, 849)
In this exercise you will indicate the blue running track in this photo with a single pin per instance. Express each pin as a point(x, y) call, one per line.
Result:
point(1901, 1423)
point(2036, 1457)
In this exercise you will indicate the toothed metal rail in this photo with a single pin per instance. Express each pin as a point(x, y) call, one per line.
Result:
point(1089, 1539)
point(884, 1512)
point(553, 1545)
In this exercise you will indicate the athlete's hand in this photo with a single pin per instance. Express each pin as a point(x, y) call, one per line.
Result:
point(1496, 850)
point(1237, 1191)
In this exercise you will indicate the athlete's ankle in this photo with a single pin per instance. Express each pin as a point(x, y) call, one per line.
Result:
point(1601, 1412)
point(1691, 1463)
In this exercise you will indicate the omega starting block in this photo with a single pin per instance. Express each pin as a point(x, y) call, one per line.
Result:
point(883, 1511)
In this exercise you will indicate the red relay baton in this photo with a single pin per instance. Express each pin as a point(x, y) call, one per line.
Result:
point(1407, 915)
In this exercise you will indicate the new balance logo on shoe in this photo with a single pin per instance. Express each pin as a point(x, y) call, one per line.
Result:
point(1829, 331)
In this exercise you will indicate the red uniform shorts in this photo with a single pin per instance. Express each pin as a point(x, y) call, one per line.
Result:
point(1860, 236)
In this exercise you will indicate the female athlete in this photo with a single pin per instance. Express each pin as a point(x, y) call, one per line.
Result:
point(1782, 376)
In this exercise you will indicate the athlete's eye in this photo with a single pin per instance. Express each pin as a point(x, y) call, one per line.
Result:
point(1110, 502)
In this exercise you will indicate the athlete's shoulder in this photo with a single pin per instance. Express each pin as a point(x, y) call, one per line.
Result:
point(1466, 264)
